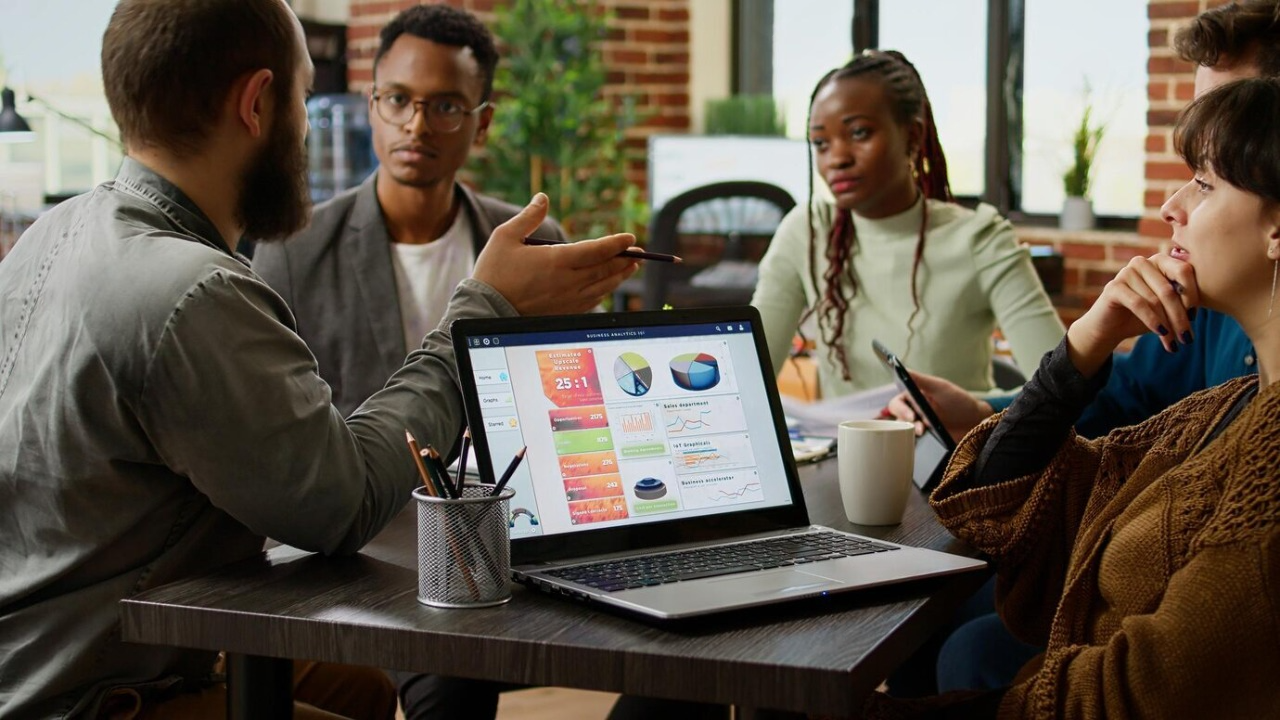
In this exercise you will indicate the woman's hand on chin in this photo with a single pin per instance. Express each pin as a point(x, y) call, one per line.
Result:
point(1153, 294)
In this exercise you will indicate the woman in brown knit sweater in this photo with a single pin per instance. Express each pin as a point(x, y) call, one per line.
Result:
point(1147, 562)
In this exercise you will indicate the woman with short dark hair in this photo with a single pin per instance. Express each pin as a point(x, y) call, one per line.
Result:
point(1147, 562)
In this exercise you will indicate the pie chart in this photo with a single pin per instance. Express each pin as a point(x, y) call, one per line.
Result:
point(633, 374)
point(695, 371)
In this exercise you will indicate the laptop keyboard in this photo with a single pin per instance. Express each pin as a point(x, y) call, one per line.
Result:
point(630, 573)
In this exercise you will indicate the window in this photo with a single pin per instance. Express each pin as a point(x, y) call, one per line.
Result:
point(810, 38)
point(946, 40)
point(1057, 71)
point(54, 54)
point(1012, 70)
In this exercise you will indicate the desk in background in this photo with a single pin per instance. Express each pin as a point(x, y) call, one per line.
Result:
point(821, 656)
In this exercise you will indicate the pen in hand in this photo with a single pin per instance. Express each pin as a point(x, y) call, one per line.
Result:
point(629, 252)
point(506, 474)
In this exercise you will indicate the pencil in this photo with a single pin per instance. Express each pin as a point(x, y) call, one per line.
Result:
point(433, 491)
point(435, 466)
point(629, 252)
point(506, 474)
point(422, 469)
point(462, 459)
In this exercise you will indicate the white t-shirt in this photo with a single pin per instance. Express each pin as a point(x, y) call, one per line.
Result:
point(426, 276)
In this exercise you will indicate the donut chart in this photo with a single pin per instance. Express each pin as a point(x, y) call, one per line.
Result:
point(633, 373)
point(695, 371)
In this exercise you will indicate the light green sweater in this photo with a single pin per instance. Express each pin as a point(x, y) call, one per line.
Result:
point(973, 277)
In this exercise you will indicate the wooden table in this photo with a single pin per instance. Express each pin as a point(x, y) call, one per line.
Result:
point(820, 656)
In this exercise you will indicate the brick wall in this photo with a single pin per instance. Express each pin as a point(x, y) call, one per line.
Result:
point(1169, 88)
point(1093, 258)
point(647, 53)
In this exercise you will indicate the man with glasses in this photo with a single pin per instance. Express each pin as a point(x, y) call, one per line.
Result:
point(374, 271)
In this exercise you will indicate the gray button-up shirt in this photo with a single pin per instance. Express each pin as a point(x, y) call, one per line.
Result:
point(158, 417)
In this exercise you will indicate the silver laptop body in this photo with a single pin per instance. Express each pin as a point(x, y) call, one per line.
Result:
point(651, 434)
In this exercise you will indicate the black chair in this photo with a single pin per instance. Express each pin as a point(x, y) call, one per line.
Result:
point(721, 231)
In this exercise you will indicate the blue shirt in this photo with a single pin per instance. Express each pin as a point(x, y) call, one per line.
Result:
point(1148, 379)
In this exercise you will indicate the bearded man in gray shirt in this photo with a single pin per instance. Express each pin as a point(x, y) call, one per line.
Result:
point(158, 413)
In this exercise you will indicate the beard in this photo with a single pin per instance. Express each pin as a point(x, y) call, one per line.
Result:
point(275, 200)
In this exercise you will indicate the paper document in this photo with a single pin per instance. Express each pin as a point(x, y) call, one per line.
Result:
point(812, 448)
point(824, 416)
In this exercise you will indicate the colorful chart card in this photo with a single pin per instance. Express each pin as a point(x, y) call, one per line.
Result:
point(584, 512)
point(569, 377)
point(579, 418)
point(571, 442)
point(595, 463)
point(590, 488)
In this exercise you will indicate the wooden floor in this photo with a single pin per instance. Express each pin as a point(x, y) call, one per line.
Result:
point(552, 704)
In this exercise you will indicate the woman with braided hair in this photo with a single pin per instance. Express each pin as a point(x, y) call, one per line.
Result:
point(892, 257)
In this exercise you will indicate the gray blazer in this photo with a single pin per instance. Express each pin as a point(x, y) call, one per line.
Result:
point(338, 279)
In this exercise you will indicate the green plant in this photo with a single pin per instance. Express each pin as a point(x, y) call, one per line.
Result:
point(744, 115)
point(1084, 146)
point(554, 130)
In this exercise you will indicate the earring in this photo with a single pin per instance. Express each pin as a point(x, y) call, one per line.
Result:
point(1275, 267)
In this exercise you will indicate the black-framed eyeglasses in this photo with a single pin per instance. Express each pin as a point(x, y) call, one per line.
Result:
point(442, 114)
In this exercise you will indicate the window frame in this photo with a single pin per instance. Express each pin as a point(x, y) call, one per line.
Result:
point(1002, 164)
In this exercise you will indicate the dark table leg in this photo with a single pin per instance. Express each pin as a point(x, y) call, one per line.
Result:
point(259, 688)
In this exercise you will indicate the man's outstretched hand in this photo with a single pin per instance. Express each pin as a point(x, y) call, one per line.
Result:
point(555, 280)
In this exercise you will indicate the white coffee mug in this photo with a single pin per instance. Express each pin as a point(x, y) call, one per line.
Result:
point(876, 458)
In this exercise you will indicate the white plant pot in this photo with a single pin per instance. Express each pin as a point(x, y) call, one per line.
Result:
point(1077, 214)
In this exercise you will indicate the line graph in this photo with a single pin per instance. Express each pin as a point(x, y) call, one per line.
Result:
point(722, 494)
point(703, 416)
point(683, 422)
point(721, 487)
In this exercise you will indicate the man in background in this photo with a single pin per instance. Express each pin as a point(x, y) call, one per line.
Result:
point(159, 415)
point(374, 271)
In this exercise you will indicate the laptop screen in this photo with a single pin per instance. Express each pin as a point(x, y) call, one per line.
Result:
point(628, 419)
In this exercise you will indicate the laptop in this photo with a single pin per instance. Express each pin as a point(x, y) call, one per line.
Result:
point(658, 476)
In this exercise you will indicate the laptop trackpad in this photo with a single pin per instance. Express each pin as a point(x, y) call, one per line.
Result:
point(773, 583)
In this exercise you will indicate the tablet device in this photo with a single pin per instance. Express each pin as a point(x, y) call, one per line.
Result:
point(934, 446)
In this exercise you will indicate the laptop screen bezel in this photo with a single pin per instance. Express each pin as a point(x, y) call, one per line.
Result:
point(670, 532)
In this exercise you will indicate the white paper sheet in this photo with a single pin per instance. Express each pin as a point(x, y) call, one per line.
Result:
point(824, 416)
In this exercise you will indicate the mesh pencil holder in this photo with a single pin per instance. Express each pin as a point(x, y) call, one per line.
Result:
point(464, 550)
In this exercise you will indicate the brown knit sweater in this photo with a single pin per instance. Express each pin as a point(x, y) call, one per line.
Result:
point(1150, 571)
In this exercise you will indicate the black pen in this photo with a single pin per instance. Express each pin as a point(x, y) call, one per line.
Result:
point(629, 252)
point(506, 475)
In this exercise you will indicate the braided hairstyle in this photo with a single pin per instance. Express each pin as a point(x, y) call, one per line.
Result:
point(909, 102)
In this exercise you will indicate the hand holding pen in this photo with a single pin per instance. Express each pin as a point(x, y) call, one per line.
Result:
point(551, 281)
point(631, 252)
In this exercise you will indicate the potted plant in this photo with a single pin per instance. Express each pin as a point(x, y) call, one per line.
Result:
point(1077, 208)
point(554, 130)
point(744, 115)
